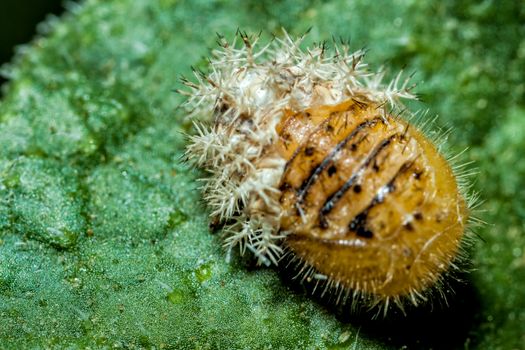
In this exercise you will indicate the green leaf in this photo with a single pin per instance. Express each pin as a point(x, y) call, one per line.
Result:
point(104, 239)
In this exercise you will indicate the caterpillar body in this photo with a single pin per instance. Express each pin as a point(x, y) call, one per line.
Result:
point(307, 158)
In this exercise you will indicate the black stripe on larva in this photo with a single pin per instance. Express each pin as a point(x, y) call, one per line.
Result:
point(337, 195)
point(325, 124)
point(314, 175)
point(359, 222)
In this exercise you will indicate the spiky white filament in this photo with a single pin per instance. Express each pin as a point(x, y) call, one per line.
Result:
point(244, 97)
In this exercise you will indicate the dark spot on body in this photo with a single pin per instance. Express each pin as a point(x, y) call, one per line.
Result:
point(353, 147)
point(329, 128)
point(309, 151)
point(408, 226)
point(418, 216)
point(365, 233)
point(323, 223)
point(417, 174)
point(353, 224)
point(332, 170)
point(357, 189)
point(358, 225)
point(285, 186)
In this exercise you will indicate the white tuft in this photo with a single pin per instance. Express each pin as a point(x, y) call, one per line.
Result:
point(236, 108)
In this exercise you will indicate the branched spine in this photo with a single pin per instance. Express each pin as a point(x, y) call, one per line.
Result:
point(244, 96)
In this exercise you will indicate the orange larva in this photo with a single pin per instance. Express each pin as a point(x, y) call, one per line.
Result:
point(306, 158)
point(369, 201)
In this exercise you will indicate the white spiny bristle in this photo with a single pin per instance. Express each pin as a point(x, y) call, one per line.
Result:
point(238, 105)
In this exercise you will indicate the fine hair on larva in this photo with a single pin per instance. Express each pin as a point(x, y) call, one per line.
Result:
point(315, 164)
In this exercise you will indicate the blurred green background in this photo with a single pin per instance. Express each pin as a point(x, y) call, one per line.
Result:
point(104, 241)
point(18, 22)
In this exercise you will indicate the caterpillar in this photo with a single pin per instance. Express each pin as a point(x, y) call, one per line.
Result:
point(307, 159)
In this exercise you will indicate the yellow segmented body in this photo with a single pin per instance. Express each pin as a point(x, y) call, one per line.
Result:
point(368, 201)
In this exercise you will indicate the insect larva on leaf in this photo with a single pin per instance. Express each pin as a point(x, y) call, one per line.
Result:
point(306, 158)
